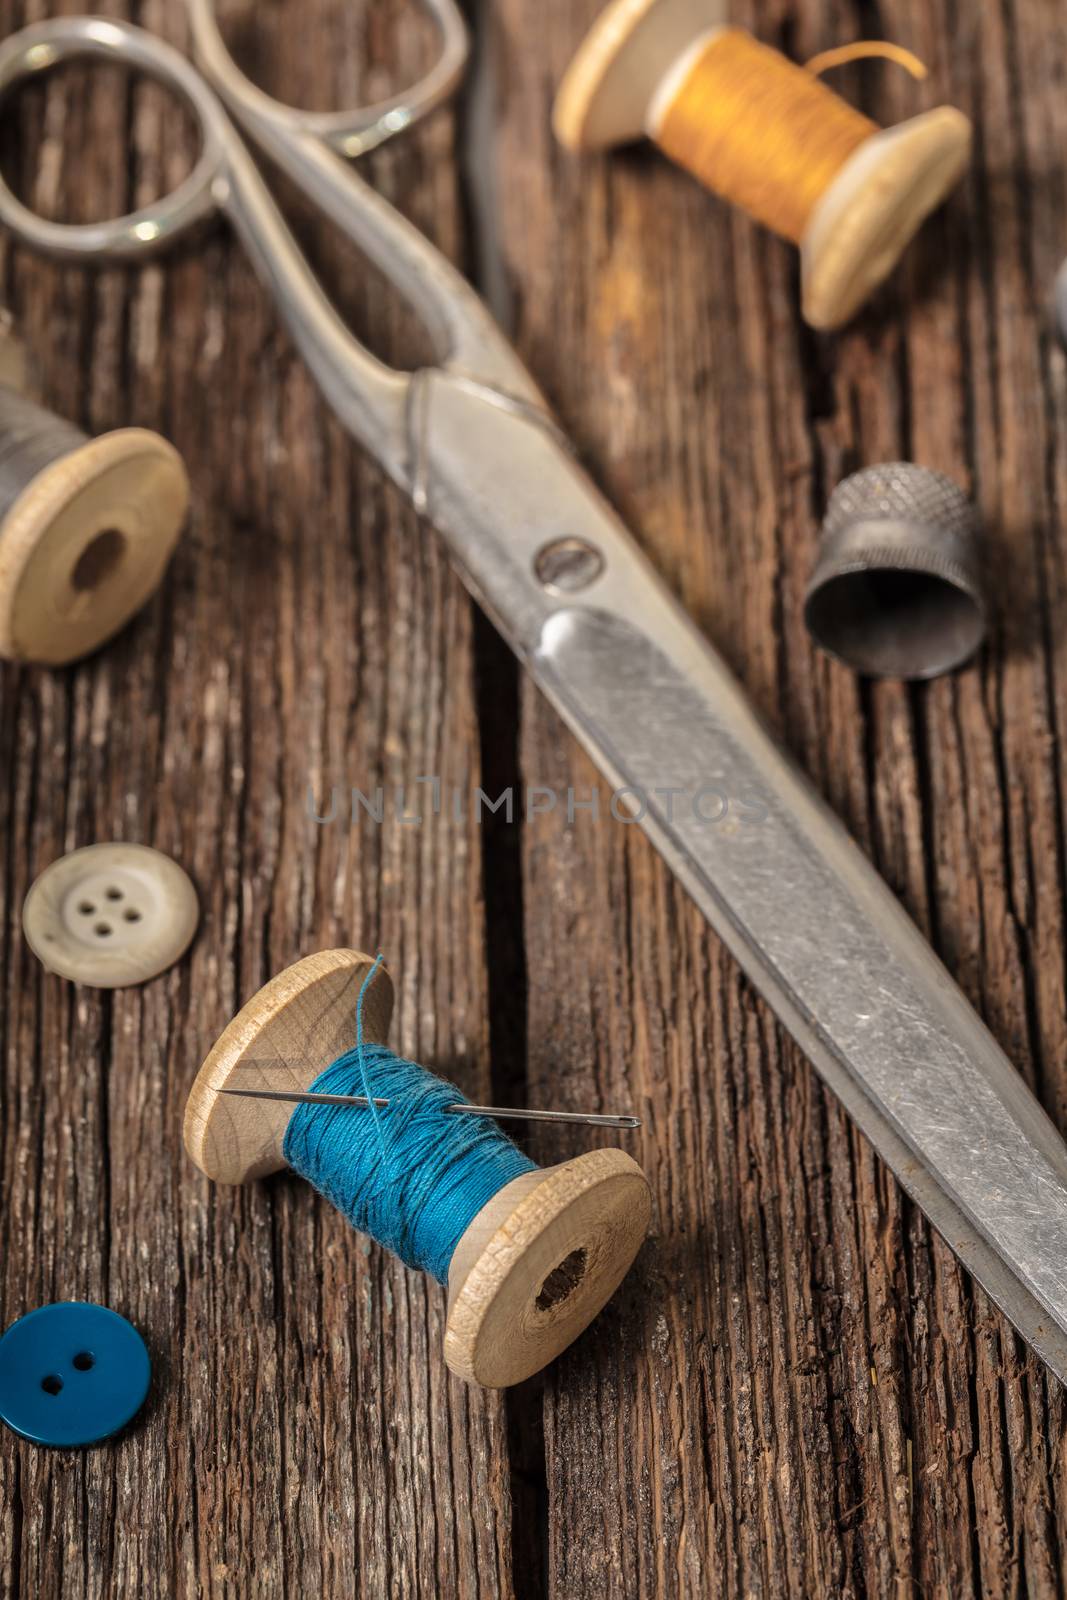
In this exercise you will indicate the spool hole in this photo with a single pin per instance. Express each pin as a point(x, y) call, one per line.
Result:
point(98, 560)
point(52, 1384)
point(562, 1281)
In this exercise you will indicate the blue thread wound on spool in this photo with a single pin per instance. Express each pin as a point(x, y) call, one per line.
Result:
point(411, 1175)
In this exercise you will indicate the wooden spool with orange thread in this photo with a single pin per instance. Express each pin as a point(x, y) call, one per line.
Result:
point(767, 135)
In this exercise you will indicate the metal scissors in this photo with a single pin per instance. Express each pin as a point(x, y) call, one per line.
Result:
point(474, 445)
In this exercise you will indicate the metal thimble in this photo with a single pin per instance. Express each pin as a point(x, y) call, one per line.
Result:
point(896, 591)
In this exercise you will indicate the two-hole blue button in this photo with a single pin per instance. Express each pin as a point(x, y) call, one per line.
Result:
point(72, 1374)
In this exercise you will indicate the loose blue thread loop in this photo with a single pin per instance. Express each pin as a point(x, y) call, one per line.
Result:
point(410, 1174)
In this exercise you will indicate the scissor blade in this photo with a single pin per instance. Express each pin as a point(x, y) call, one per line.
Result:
point(833, 951)
point(772, 868)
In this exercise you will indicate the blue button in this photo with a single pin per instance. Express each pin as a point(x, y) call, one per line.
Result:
point(71, 1374)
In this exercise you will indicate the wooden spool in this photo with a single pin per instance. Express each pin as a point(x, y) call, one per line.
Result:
point(84, 542)
point(536, 1264)
point(619, 88)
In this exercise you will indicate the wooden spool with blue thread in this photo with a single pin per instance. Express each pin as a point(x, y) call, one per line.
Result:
point(535, 1265)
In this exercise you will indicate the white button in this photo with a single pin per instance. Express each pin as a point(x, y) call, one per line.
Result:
point(110, 915)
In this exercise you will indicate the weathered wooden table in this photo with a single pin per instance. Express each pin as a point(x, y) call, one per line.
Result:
point(797, 1392)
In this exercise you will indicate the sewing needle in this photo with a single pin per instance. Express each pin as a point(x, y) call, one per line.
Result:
point(593, 1119)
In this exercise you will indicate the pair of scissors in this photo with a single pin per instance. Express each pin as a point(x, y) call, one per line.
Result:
point(473, 443)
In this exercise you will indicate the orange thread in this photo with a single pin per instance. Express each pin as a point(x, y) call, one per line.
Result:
point(865, 50)
point(760, 131)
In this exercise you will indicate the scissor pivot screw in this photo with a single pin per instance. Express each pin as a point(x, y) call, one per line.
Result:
point(566, 565)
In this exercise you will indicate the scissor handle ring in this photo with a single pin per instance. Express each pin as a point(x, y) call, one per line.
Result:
point(349, 132)
point(45, 44)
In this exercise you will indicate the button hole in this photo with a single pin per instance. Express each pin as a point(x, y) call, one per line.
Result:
point(102, 930)
point(131, 914)
point(84, 1360)
point(113, 893)
point(52, 1384)
point(86, 908)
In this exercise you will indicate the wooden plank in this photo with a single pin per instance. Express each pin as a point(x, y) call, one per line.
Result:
point(800, 1393)
point(303, 1435)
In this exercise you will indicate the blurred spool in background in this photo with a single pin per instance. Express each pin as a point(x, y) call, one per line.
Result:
point(87, 526)
point(766, 135)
